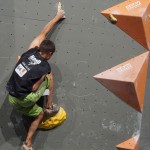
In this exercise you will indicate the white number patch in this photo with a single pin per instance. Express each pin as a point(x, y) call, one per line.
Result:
point(133, 5)
point(20, 70)
point(124, 68)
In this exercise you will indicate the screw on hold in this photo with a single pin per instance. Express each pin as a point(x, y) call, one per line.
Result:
point(112, 19)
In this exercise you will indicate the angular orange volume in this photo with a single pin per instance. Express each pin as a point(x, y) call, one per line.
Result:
point(133, 17)
point(127, 80)
point(131, 144)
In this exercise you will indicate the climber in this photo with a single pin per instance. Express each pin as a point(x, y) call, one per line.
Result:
point(31, 76)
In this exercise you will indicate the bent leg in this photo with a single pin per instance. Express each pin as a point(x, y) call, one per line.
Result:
point(28, 107)
point(33, 127)
point(32, 111)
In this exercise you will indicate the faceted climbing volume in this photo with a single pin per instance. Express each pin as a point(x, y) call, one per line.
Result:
point(127, 80)
point(133, 17)
point(131, 144)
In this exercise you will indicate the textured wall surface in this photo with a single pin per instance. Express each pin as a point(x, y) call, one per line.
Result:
point(86, 44)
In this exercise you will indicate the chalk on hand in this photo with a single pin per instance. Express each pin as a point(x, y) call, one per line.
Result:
point(59, 6)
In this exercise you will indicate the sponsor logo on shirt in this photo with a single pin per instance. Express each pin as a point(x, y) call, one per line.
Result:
point(33, 60)
point(25, 65)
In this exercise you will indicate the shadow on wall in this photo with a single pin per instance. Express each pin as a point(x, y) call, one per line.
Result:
point(9, 119)
point(11, 123)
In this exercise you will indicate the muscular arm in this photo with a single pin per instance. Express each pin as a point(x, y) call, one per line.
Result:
point(38, 83)
point(38, 40)
point(51, 89)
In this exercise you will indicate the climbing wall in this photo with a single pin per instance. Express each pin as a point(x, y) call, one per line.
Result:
point(86, 44)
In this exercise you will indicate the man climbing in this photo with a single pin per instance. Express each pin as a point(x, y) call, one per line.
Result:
point(31, 77)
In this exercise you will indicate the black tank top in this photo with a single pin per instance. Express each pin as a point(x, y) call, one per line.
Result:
point(29, 69)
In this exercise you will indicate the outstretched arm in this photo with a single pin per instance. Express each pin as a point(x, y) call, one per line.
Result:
point(38, 40)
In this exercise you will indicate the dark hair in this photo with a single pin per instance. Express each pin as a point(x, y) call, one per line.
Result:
point(47, 46)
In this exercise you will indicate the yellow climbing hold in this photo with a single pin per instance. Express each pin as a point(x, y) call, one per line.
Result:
point(112, 18)
point(54, 121)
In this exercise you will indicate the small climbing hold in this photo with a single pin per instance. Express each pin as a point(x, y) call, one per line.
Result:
point(112, 19)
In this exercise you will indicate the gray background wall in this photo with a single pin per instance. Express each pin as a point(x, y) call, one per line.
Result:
point(86, 44)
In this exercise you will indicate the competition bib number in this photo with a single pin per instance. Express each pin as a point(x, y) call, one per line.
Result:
point(20, 70)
